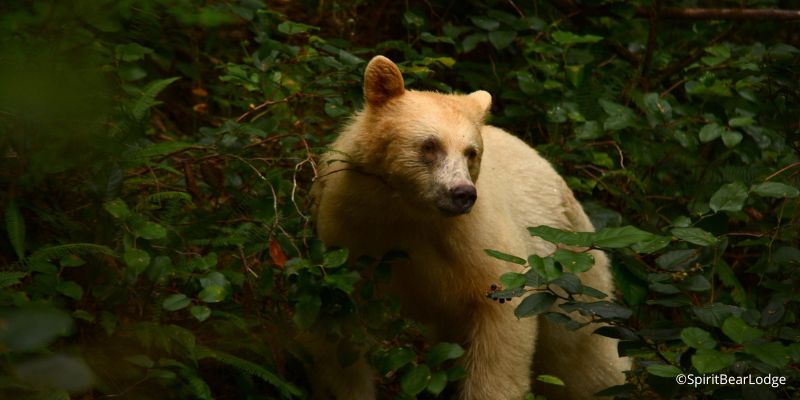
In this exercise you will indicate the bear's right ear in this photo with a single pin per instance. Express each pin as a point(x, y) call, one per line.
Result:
point(382, 81)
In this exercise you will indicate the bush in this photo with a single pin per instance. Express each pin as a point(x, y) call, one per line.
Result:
point(156, 157)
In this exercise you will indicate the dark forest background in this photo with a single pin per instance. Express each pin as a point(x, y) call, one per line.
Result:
point(156, 156)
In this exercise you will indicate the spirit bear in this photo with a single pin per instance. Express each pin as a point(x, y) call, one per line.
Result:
point(420, 172)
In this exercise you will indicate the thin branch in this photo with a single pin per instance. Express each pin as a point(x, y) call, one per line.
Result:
point(724, 13)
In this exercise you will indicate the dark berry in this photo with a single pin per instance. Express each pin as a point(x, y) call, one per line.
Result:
point(502, 301)
point(493, 287)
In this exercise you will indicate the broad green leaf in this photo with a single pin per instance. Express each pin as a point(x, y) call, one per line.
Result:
point(614, 238)
point(731, 138)
point(150, 230)
point(306, 310)
point(775, 189)
point(695, 235)
point(619, 116)
point(544, 267)
point(738, 330)
point(550, 379)
point(709, 360)
point(568, 38)
point(137, 260)
point(485, 23)
point(534, 304)
point(175, 302)
point(512, 280)
point(664, 371)
point(729, 197)
point(213, 294)
point(574, 262)
point(201, 313)
point(437, 383)
point(501, 39)
point(442, 352)
point(395, 359)
point(602, 309)
point(15, 228)
point(697, 338)
point(335, 259)
point(718, 54)
point(505, 257)
point(293, 28)
point(343, 280)
point(737, 122)
point(415, 380)
point(553, 235)
point(131, 51)
point(710, 132)
point(70, 289)
point(473, 40)
point(772, 353)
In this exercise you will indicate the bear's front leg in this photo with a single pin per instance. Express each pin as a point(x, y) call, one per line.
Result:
point(499, 353)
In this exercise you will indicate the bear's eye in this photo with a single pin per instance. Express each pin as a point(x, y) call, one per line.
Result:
point(471, 153)
point(430, 148)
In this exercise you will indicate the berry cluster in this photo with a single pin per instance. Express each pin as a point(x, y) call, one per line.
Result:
point(494, 288)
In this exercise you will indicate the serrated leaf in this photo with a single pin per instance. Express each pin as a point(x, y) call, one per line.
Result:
point(416, 380)
point(442, 352)
point(10, 278)
point(697, 338)
point(505, 257)
point(15, 228)
point(664, 371)
point(175, 302)
point(775, 189)
point(534, 304)
point(695, 235)
point(148, 97)
point(729, 197)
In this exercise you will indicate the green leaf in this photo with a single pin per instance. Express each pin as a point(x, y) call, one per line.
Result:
point(501, 39)
point(602, 309)
point(416, 380)
point(473, 40)
point(775, 189)
point(544, 267)
point(437, 383)
point(550, 379)
point(306, 311)
point(201, 313)
point(772, 353)
point(729, 197)
point(534, 304)
point(619, 116)
point(293, 28)
point(175, 302)
point(614, 238)
point(697, 338)
point(731, 138)
point(718, 54)
point(148, 97)
point(709, 360)
point(664, 371)
point(574, 262)
point(567, 38)
point(137, 260)
point(11, 278)
point(738, 330)
point(15, 228)
point(117, 208)
point(395, 359)
point(343, 280)
point(150, 230)
point(335, 259)
point(70, 289)
point(213, 294)
point(131, 51)
point(553, 235)
point(485, 23)
point(695, 235)
point(737, 122)
point(512, 280)
point(505, 257)
point(442, 352)
point(710, 132)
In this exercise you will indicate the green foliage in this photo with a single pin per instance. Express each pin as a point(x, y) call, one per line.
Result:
point(155, 160)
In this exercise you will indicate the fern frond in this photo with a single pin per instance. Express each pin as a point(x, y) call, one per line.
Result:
point(286, 389)
point(148, 98)
point(168, 196)
point(10, 278)
point(60, 251)
point(199, 387)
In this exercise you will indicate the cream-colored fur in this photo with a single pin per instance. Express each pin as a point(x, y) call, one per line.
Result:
point(383, 189)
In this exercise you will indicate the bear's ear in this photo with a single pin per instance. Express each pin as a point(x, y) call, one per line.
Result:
point(382, 81)
point(483, 100)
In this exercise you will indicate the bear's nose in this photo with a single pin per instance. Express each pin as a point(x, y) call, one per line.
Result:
point(463, 197)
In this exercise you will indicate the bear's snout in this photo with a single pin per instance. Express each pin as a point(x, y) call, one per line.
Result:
point(462, 198)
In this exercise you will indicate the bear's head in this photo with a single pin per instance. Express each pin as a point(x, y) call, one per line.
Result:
point(427, 146)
